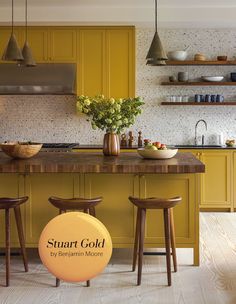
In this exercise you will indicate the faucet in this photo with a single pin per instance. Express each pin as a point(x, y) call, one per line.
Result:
point(195, 140)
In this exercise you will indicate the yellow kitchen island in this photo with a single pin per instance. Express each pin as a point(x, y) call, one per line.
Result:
point(115, 178)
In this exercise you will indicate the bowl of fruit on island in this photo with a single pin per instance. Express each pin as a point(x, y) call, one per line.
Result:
point(156, 150)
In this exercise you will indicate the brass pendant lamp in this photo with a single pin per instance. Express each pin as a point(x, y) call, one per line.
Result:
point(12, 51)
point(28, 60)
point(156, 54)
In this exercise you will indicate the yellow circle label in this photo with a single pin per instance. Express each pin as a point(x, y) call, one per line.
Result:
point(75, 247)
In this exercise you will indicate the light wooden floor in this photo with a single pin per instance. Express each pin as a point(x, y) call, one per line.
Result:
point(214, 282)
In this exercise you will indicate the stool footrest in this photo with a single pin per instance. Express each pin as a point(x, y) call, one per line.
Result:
point(12, 254)
point(155, 253)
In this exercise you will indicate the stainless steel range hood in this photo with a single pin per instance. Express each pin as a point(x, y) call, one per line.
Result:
point(44, 79)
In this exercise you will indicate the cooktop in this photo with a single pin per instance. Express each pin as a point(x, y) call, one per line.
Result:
point(59, 146)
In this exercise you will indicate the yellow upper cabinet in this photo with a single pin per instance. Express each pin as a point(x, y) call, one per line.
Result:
point(62, 44)
point(38, 41)
point(106, 61)
point(105, 56)
point(120, 62)
point(91, 61)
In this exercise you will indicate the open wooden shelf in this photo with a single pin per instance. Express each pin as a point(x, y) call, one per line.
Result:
point(225, 103)
point(206, 62)
point(200, 83)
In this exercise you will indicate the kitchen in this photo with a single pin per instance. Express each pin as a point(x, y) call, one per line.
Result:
point(109, 50)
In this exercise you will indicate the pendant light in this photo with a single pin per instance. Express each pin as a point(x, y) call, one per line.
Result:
point(156, 54)
point(12, 51)
point(26, 51)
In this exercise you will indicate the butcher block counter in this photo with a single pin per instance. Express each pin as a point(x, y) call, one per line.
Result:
point(54, 162)
point(115, 178)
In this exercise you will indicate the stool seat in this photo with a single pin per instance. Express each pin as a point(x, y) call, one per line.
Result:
point(155, 203)
point(87, 205)
point(167, 206)
point(7, 203)
point(74, 203)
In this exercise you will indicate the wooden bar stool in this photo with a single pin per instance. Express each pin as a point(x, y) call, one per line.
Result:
point(167, 206)
point(72, 204)
point(7, 204)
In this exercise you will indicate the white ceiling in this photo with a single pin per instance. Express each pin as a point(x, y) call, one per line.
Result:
point(172, 13)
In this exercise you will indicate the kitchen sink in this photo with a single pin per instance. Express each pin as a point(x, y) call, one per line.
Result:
point(197, 146)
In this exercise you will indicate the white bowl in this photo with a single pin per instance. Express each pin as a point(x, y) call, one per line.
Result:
point(212, 78)
point(157, 154)
point(177, 55)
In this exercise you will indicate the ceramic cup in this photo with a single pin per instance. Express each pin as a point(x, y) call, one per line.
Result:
point(213, 98)
point(183, 76)
point(172, 78)
point(219, 98)
point(208, 98)
point(199, 98)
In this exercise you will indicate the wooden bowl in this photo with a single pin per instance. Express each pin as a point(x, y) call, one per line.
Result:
point(199, 57)
point(222, 58)
point(20, 150)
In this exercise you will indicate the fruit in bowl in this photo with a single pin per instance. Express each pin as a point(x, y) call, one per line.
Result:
point(156, 150)
point(156, 145)
point(230, 142)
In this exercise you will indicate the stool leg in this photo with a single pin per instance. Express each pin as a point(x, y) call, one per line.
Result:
point(167, 241)
point(136, 240)
point(21, 236)
point(57, 282)
point(172, 238)
point(141, 241)
point(88, 281)
point(7, 231)
point(92, 211)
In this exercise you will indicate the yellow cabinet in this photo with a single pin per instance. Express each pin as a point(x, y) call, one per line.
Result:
point(11, 185)
point(106, 63)
point(216, 182)
point(156, 185)
point(115, 211)
point(105, 56)
point(91, 62)
point(62, 44)
point(120, 72)
point(39, 187)
point(38, 41)
point(234, 180)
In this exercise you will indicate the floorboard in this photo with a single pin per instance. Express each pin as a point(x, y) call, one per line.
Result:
point(214, 282)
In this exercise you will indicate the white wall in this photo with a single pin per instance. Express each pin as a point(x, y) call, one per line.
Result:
point(172, 13)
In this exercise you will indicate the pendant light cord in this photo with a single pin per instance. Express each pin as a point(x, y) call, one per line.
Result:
point(156, 15)
point(12, 16)
point(26, 20)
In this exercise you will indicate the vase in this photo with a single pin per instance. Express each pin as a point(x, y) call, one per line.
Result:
point(111, 144)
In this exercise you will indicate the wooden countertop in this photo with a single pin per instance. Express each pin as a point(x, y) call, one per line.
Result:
point(71, 162)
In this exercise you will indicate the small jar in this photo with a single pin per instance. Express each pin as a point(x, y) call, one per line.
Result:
point(185, 98)
point(179, 98)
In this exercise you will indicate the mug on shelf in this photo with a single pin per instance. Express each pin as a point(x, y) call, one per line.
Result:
point(183, 76)
point(219, 98)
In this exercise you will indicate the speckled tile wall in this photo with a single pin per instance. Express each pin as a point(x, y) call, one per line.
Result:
point(53, 118)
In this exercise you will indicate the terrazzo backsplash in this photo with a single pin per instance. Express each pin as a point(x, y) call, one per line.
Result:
point(54, 119)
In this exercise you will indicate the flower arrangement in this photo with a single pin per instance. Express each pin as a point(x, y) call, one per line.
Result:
point(110, 114)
